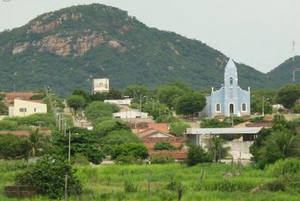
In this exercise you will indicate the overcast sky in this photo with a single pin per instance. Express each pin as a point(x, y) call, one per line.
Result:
point(255, 32)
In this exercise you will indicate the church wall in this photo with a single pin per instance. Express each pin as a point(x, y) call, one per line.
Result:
point(244, 97)
point(217, 97)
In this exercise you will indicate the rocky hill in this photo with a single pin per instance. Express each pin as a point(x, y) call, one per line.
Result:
point(66, 49)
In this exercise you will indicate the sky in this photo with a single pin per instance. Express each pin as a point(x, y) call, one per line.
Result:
point(259, 33)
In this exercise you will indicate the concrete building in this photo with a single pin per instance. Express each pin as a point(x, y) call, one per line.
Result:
point(22, 108)
point(131, 114)
point(230, 99)
point(239, 148)
point(120, 102)
point(101, 85)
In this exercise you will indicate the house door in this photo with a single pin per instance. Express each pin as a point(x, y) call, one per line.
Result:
point(231, 108)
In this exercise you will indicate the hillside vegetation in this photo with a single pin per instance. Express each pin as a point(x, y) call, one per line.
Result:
point(66, 49)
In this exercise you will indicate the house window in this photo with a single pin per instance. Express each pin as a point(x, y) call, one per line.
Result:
point(244, 107)
point(231, 81)
point(37, 109)
point(22, 110)
point(218, 107)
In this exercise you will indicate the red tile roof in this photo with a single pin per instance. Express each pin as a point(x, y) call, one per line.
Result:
point(10, 96)
point(150, 131)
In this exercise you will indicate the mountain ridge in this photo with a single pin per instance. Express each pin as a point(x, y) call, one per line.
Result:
point(67, 48)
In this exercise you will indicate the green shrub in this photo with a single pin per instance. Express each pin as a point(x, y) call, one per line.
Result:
point(164, 146)
point(13, 147)
point(230, 185)
point(178, 128)
point(196, 154)
point(48, 177)
point(130, 151)
point(161, 159)
point(7, 124)
point(80, 159)
point(289, 166)
point(130, 185)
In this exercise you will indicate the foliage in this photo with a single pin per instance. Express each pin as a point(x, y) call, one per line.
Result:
point(7, 124)
point(136, 91)
point(288, 95)
point(48, 176)
point(113, 94)
point(136, 151)
point(46, 120)
point(190, 103)
point(105, 127)
point(13, 147)
point(80, 159)
point(168, 94)
point(155, 109)
point(214, 123)
point(162, 159)
point(76, 102)
point(83, 142)
point(271, 147)
point(216, 149)
point(3, 109)
point(37, 142)
point(178, 128)
point(164, 146)
point(296, 108)
point(82, 93)
point(289, 166)
point(99, 109)
point(197, 154)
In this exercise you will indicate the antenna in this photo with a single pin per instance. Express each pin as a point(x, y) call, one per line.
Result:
point(294, 63)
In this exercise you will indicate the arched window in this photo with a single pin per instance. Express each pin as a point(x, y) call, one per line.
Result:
point(218, 107)
point(244, 107)
point(231, 81)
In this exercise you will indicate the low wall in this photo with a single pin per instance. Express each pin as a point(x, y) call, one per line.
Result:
point(240, 149)
point(19, 191)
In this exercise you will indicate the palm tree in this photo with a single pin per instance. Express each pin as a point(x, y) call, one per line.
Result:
point(215, 147)
point(36, 141)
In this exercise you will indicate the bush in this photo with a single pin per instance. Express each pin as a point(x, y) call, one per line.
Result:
point(130, 186)
point(80, 159)
point(105, 127)
point(13, 147)
point(161, 159)
point(289, 166)
point(48, 177)
point(178, 128)
point(7, 124)
point(99, 109)
point(134, 151)
point(164, 146)
point(196, 154)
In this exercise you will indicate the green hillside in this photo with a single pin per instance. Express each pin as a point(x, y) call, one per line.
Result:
point(283, 74)
point(66, 49)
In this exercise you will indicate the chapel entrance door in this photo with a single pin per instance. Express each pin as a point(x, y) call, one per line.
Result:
point(231, 108)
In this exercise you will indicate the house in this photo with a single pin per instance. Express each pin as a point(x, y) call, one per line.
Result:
point(150, 137)
point(11, 96)
point(133, 116)
point(22, 108)
point(142, 126)
point(239, 147)
point(230, 99)
point(120, 102)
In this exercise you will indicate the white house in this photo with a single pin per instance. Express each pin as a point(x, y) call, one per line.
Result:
point(22, 108)
point(120, 102)
point(131, 114)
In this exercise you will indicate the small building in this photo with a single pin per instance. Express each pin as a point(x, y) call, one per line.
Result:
point(239, 147)
point(22, 108)
point(101, 85)
point(120, 102)
point(142, 126)
point(131, 114)
point(230, 99)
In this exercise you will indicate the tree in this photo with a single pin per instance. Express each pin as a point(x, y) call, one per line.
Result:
point(83, 93)
point(113, 94)
point(257, 105)
point(76, 102)
point(197, 154)
point(105, 127)
point(99, 109)
point(190, 103)
point(117, 137)
point(155, 109)
point(47, 176)
point(164, 146)
point(3, 109)
point(168, 94)
point(214, 123)
point(136, 91)
point(37, 142)
point(178, 128)
point(83, 142)
point(288, 95)
point(132, 150)
point(13, 147)
point(216, 149)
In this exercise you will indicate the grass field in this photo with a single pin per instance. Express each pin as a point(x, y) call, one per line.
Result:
point(202, 182)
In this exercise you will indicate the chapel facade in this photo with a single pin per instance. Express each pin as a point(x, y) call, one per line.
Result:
point(230, 99)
